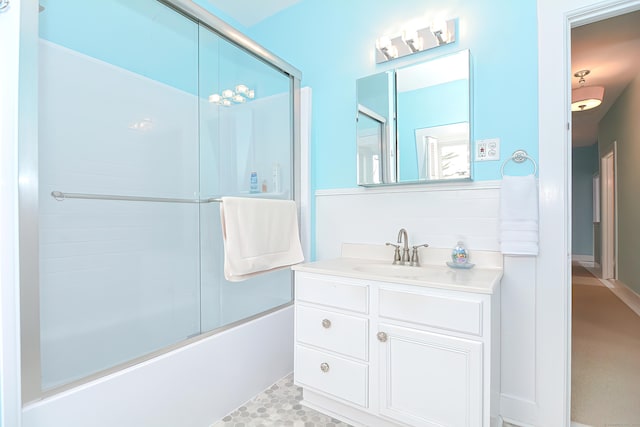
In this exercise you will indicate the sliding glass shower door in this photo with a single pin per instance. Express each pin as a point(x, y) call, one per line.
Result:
point(145, 115)
point(245, 133)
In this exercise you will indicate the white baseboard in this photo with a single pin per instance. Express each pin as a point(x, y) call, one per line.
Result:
point(625, 293)
point(583, 259)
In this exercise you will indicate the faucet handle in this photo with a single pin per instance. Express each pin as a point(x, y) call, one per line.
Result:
point(415, 260)
point(396, 255)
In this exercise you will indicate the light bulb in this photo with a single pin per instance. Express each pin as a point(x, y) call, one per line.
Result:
point(242, 89)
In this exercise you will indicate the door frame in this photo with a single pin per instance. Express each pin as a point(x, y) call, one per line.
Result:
point(609, 207)
point(12, 129)
point(553, 271)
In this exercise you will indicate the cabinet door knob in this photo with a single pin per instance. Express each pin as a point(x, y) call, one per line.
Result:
point(324, 367)
point(382, 337)
point(326, 323)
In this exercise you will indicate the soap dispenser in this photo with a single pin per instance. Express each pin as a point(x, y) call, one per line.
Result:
point(460, 255)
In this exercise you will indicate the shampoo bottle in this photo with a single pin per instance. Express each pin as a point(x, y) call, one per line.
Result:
point(253, 183)
point(275, 185)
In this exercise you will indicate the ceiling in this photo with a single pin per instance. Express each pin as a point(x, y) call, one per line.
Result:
point(250, 12)
point(611, 50)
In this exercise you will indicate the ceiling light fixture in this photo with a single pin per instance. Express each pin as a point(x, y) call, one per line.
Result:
point(585, 97)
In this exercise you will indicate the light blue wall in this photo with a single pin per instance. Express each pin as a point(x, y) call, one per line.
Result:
point(332, 42)
point(584, 165)
point(111, 32)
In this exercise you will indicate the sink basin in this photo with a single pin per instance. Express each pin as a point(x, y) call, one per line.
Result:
point(401, 271)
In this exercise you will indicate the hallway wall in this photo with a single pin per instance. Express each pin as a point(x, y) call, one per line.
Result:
point(621, 124)
point(585, 164)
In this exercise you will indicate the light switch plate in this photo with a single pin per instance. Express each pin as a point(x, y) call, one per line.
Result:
point(487, 149)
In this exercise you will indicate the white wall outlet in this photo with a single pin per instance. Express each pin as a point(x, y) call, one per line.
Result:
point(487, 149)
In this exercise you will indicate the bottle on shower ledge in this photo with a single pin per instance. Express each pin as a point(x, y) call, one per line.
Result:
point(275, 178)
point(253, 183)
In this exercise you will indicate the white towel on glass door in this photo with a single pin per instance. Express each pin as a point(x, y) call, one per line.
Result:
point(260, 235)
point(518, 217)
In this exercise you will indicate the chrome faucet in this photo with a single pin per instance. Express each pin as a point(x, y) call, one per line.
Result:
point(405, 250)
point(404, 257)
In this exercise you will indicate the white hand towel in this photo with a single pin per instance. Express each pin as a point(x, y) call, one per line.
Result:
point(518, 217)
point(260, 235)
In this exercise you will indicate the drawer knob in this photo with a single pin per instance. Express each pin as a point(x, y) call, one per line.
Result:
point(326, 323)
point(324, 367)
point(382, 337)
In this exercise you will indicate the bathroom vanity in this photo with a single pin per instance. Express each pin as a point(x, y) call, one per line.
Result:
point(378, 344)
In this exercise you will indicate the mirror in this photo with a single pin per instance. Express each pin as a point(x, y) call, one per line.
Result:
point(375, 129)
point(413, 123)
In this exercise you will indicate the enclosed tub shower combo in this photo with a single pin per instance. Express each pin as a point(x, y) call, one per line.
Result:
point(148, 114)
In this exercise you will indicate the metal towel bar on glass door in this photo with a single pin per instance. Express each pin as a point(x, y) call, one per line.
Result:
point(60, 196)
point(519, 156)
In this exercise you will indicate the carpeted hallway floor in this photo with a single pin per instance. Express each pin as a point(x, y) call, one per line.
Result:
point(605, 363)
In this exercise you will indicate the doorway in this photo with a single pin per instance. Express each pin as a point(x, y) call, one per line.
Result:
point(605, 335)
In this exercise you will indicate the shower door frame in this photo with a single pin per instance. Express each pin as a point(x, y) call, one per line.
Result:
point(31, 389)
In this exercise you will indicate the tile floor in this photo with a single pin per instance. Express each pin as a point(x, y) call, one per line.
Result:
point(277, 406)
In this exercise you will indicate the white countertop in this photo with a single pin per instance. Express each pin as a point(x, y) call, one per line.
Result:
point(479, 279)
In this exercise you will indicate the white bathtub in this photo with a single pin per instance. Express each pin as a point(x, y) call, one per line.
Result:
point(193, 386)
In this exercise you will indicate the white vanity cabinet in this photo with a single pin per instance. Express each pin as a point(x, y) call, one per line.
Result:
point(380, 353)
point(332, 337)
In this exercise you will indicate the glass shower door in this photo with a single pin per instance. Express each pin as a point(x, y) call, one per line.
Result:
point(118, 123)
point(245, 133)
point(144, 115)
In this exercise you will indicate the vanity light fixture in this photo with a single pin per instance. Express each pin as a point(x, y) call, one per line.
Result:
point(439, 31)
point(384, 45)
point(585, 97)
point(413, 40)
point(239, 95)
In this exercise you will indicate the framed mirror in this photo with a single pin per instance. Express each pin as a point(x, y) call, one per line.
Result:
point(375, 129)
point(413, 123)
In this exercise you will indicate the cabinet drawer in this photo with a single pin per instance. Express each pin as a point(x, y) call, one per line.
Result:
point(341, 378)
point(462, 315)
point(332, 293)
point(341, 333)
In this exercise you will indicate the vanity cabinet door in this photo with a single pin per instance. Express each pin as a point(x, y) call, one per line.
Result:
point(429, 379)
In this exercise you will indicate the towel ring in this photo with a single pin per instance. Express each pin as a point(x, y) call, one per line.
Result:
point(519, 156)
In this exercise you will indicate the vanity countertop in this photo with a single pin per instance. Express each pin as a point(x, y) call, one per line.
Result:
point(479, 279)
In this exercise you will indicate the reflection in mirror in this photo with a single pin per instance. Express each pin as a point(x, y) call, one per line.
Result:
point(376, 142)
point(432, 95)
point(370, 133)
point(443, 152)
point(415, 123)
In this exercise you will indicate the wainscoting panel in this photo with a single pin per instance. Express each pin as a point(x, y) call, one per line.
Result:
point(440, 215)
